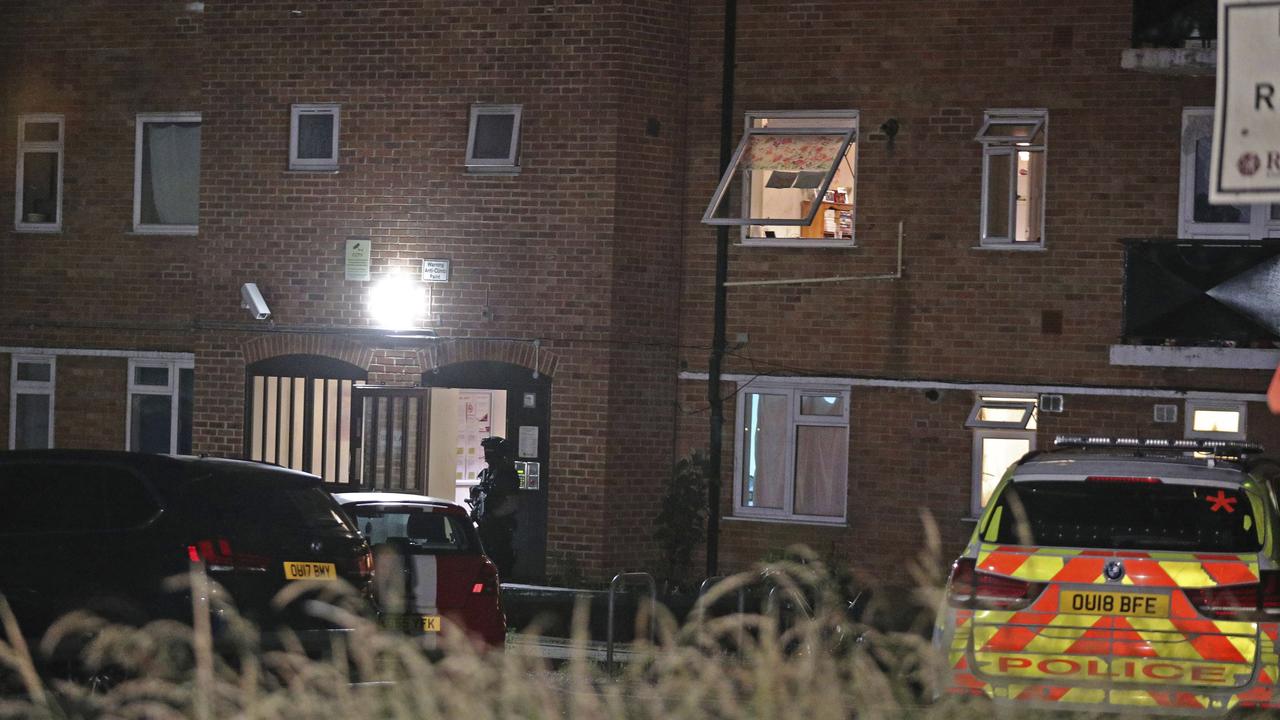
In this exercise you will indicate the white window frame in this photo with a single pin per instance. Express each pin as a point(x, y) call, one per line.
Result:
point(313, 164)
point(1197, 123)
point(171, 388)
point(1002, 145)
point(19, 222)
point(1023, 429)
point(794, 420)
point(1189, 419)
point(31, 387)
point(509, 164)
point(140, 121)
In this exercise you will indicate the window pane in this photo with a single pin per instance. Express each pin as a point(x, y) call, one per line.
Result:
point(764, 442)
point(151, 376)
point(40, 132)
point(33, 372)
point(186, 408)
point(997, 193)
point(822, 460)
point(493, 136)
point(315, 136)
point(1016, 416)
point(150, 423)
point(997, 455)
point(1203, 211)
point(1223, 421)
point(31, 421)
point(39, 187)
point(1275, 212)
point(1030, 196)
point(1013, 130)
point(170, 173)
point(826, 405)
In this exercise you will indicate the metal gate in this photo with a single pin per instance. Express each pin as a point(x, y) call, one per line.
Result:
point(389, 437)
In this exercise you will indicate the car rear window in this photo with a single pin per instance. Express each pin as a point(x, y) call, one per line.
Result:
point(1125, 516)
point(52, 497)
point(419, 527)
point(258, 503)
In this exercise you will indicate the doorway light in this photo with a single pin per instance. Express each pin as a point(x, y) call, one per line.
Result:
point(396, 302)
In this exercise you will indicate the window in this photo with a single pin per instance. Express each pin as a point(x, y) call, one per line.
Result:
point(38, 205)
point(1013, 177)
point(1197, 219)
point(1215, 420)
point(159, 414)
point(493, 142)
point(796, 173)
point(313, 137)
point(793, 454)
point(1004, 429)
point(166, 174)
point(31, 384)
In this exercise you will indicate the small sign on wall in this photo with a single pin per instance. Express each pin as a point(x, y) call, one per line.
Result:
point(435, 271)
point(528, 443)
point(359, 254)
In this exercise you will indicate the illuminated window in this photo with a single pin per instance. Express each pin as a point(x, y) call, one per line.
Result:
point(1004, 429)
point(793, 453)
point(1215, 420)
point(1014, 143)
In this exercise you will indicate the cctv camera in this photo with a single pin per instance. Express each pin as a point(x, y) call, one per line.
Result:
point(251, 300)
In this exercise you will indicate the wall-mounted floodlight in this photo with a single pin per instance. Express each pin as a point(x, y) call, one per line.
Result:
point(251, 299)
point(396, 302)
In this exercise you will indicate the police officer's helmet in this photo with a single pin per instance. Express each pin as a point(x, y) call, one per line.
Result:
point(499, 446)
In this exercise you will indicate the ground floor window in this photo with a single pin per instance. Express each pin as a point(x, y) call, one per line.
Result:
point(160, 406)
point(1215, 420)
point(31, 383)
point(1004, 429)
point(792, 453)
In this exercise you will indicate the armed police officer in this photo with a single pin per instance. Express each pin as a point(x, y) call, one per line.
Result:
point(494, 501)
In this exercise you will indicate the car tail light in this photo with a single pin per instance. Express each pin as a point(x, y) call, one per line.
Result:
point(972, 588)
point(486, 582)
point(217, 554)
point(364, 565)
point(1247, 601)
point(1124, 479)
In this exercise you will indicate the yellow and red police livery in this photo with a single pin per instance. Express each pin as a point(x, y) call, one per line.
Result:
point(1112, 574)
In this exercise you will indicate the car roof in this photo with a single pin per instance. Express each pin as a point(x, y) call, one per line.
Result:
point(191, 464)
point(350, 498)
point(1077, 464)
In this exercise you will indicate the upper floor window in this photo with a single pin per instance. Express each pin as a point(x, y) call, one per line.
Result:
point(1199, 220)
point(1014, 143)
point(31, 395)
point(161, 395)
point(166, 173)
point(793, 453)
point(493, 141)
point(791, 180)
point(38, 205)
point(313, 137)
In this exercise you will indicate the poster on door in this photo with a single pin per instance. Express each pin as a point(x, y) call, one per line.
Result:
point(475, 423)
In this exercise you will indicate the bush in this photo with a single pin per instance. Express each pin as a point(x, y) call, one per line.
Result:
point(681, 523)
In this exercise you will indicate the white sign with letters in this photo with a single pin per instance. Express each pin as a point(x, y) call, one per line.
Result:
point(1246, 128)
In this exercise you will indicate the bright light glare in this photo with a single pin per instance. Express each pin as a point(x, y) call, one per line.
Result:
point(396, 302)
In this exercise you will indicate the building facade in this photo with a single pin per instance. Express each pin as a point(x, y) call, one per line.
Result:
point(464, 220)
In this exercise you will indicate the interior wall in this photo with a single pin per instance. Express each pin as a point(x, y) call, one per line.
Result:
point(442, 464)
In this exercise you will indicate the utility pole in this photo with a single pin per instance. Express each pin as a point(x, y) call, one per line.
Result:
point(722, 275)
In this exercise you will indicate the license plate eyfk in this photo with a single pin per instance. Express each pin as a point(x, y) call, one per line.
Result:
point(1132, 604)
point(310, 571)
point(413, 623)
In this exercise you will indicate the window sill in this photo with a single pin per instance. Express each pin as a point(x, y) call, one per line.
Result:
point(312, 171)
point(167, 232)
point(786, 521)
point(800, 243)
point(493, 169)
point(38, 229)
point(1029, 247)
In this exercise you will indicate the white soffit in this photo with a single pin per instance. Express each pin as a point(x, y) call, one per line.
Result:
point(1195, 357)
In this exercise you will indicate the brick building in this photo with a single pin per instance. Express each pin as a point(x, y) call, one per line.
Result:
point(558, 155)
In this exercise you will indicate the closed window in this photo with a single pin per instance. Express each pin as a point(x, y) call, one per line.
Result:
point(31, 393)
point(313, 137)
point(493, 141)
point(1197, 218)
point(166, 180)
point(1004, 429)
point(1014, 143)
point(793, 454)
point(160, 406)
point(38, 205)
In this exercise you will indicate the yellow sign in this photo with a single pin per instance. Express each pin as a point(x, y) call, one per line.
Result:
point(1131, 604)
point(310, 571)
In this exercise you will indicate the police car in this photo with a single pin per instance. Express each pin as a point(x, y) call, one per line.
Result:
point(1113, 574)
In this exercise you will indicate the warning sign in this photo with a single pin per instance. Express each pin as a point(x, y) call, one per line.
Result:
point(1246, 129)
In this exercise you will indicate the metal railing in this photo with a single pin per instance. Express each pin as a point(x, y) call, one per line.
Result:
point(622, 579)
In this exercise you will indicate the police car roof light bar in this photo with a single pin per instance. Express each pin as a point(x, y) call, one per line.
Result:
point(1221, 448)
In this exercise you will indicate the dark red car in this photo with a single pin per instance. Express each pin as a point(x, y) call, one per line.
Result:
point(429, 566)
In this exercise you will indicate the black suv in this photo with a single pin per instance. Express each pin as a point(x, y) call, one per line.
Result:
point(99, 530)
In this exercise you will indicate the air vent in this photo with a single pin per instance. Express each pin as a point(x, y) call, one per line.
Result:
point(1051, 403)
point(1165, 413)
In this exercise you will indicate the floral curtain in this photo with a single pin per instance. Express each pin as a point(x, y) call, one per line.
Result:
point(791, 152)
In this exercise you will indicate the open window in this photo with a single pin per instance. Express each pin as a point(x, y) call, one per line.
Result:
point(1004, 429)
point(1013, 143)
point(313, 137)
point(791, 179)
point(38, 204)
point(1216, 420)
point(493, 141)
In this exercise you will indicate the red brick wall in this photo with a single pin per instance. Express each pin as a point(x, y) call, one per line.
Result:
point(91, 397)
